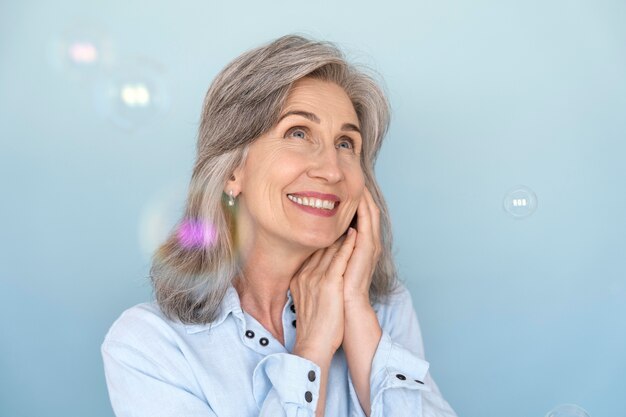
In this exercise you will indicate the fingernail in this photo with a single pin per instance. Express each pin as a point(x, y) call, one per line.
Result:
point(350, 231)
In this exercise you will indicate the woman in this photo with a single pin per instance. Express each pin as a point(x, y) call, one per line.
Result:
point(276, 294)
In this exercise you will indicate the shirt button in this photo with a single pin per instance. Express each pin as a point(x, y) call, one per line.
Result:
point(249, 334)
point(293, 323)
point(293, 308)
point(308, 396)
point(311, 376)
point(419, 382)
point(263, 341)
point(400, 377)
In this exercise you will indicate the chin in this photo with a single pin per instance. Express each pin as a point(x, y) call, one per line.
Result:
point(319, 241)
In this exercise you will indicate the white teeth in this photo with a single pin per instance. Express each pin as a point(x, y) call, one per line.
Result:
point(313, 202)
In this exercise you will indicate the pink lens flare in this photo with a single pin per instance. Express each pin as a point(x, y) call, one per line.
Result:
point(83, 52)
point(196, 234)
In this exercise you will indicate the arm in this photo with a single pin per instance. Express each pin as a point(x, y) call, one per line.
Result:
point(401, 352)
point(148, 375)
point(388, 373)
point(361, 338)
point(139, 386)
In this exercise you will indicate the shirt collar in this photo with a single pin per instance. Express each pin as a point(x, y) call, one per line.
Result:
point(230, 304)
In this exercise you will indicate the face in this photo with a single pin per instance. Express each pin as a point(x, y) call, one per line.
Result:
point(302, 181)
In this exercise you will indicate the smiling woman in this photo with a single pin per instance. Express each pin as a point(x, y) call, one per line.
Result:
point(276, 294)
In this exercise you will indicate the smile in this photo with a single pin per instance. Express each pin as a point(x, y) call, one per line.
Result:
point(312, 202)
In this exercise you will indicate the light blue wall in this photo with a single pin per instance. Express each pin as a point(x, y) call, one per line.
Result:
point(519, 315)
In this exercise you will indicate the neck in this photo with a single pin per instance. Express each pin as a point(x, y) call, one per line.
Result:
point(267, 270)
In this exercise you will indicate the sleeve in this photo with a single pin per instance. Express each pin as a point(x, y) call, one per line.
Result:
point(286, 385)
point(140, 387)
point(158, 382)
point(399, 378)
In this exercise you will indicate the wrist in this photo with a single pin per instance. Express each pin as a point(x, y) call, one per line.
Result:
point(321, 358)
point(356, 302)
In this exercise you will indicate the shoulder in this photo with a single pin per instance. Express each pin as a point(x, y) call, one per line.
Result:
point(142, 325)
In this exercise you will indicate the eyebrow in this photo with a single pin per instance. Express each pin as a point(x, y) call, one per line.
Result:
point(349, 127)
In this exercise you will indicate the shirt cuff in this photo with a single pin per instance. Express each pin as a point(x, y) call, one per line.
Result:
point(295, 380)
point(394, 366)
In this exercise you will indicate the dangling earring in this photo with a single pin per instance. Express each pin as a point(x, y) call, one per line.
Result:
point(231, 199)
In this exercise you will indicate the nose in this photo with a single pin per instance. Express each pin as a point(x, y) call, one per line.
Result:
point(326, 165)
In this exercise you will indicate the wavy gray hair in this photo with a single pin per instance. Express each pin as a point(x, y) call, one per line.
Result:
point(243, 102)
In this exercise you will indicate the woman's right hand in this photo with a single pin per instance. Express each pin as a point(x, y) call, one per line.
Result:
point(317, 292)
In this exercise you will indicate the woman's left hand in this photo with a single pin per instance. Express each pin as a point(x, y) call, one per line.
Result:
point(368, 247)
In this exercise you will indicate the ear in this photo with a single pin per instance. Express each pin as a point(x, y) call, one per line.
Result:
point(235, 182)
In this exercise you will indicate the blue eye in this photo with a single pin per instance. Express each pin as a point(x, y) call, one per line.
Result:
point(297, 132)
point(349, 142)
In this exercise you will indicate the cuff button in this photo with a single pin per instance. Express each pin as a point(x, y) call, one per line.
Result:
point(419, 382)
point(311, 376)
point(263, 341)
point(249, 334)
point(308, 396)
point(400, 377)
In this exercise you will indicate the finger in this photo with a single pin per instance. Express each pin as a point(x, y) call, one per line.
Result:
point(364, 224)
point(312, 261)
point(375, 218)
point(329, 253)
point(339, 262)
point(309, 264)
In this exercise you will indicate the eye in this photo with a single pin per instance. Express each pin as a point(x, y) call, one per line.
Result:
point(297, 132)
point(346, 143)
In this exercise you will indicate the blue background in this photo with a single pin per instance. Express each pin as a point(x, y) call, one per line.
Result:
point(518, 315)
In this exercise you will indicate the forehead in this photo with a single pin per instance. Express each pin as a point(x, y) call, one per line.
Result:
point(324, 98)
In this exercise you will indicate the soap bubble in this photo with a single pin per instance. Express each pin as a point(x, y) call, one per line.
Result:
point(520, 202)
point(81, 50)
point(159, 216)
point(567, 410)
point(133, 95)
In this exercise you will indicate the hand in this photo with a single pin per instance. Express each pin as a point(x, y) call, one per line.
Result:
point(360, 269)
point(317, 291)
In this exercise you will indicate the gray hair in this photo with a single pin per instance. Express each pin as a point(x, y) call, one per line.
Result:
point(243, 102)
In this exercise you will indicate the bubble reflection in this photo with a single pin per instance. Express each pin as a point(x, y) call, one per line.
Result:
point(520, 202)
point(159, 217)
point(133, 95)
point(81, 50)
point(567, 410)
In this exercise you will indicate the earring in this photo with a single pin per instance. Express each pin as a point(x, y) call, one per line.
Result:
point(231, 199)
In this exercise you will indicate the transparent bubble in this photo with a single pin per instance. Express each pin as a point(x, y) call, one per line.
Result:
point(567, 410)
point(81, 51)
point(159, 216)
point(133, 95)
point(520, 202)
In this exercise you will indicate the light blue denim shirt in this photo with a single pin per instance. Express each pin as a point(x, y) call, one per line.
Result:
point(234, 367)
